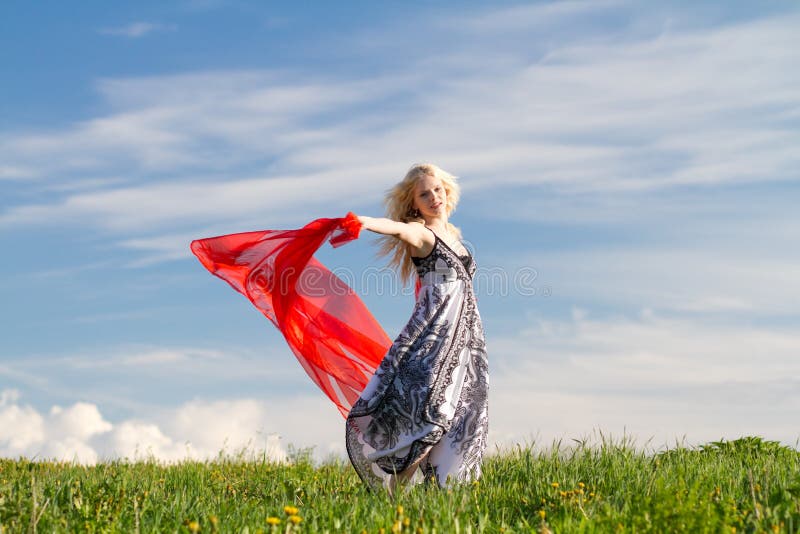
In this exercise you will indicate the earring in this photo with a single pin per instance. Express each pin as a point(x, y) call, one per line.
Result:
point(416, 213)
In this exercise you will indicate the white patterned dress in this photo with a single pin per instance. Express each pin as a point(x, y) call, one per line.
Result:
point(430, 392)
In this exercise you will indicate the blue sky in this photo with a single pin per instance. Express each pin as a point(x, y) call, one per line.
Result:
point(632, 165)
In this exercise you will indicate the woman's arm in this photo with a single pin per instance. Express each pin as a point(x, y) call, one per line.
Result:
point(412, 233)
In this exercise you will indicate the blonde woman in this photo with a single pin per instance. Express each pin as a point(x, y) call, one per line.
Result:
point(424, 413)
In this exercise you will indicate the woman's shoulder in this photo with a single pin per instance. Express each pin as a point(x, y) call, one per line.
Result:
point(427, 239)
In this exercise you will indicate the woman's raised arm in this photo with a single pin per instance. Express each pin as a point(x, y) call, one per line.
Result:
point(413, 233)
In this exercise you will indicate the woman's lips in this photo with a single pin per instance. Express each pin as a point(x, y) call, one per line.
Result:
point(436, 206)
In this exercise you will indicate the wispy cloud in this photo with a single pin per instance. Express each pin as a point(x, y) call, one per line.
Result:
point(137, 29)
point(615, 134)
point(143, 357)
point(203, 5)
point(15, 173)
point(645, 114)
point(652, 377)
point(525, 17)
point(153, 206)
point(676, 279)
point(647, 376)
point(185, 368)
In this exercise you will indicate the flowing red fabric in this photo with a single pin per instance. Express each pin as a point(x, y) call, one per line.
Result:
point(330, 330)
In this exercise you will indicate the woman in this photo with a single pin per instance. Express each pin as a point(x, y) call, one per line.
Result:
point(425, 408)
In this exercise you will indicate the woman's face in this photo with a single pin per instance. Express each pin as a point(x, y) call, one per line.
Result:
point(430, 197)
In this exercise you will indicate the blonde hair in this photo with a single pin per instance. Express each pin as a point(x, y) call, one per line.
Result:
point(399, 201)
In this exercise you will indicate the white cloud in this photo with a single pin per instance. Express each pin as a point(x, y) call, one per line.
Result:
point(139, 356)
point(649, 377)
point(678, 279)
point(137, 29)
point(634, 114)
point(61, 434)
point(81, 420)
point(139, 380)
point(230, 364)
point(524, 17)
point(200, 122)
point(15, 173)
point(20, 427)
point(68, 432)
point(197, 430)
point(135, 440)
point(152, 207)
point(236, 425)
point(14, 372)
point(159, 357)
point(68, 449)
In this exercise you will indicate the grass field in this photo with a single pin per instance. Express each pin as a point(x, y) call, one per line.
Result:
point(746, 485)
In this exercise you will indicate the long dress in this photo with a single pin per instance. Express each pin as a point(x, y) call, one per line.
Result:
point(430, 393)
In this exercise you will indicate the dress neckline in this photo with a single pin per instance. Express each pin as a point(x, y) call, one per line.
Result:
point(466, 259)
point(467, 255)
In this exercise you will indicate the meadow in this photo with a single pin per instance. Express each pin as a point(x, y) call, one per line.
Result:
point(745, 485)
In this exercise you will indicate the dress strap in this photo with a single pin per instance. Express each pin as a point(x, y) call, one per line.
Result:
point(448, 245)
point(418, 259)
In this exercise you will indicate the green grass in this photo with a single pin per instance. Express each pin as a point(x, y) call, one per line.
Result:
point(747, 485)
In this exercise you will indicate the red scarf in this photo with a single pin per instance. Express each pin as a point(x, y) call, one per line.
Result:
point(330, 330)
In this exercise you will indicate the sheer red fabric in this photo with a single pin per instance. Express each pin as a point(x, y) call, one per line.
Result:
point(330, 330)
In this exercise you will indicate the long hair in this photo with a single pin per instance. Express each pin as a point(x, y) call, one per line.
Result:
point(399, 201)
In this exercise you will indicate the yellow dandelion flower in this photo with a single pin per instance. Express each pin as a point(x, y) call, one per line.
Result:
point(562, 493)
point(271, 520)
point(554, 484)
point(295, 519)
point(542, 514)
point(406, 521)
point(397, 527)
point(581, 485)
point(290, 510)
point(193, 526)
point(400, 509)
